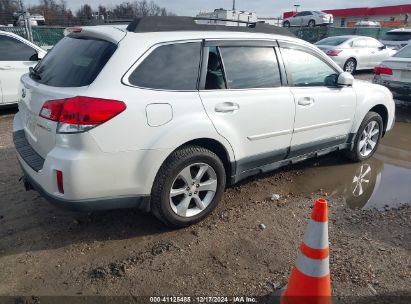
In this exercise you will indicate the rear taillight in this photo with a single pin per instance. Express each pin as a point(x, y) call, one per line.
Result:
point(70, 30)
point(382, 71)
point(333, 52)
point(79, 114)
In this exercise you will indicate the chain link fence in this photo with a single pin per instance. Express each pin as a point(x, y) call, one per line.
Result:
point(42, 36)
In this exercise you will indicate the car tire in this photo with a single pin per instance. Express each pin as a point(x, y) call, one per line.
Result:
point(176, 184)
point(367, 139)
point(286, 24)
point(311, 23)
point(350, 66)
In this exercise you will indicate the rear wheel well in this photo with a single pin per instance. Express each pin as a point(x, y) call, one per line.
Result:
point(351, 58)
point(216, 147)
point(382, 110)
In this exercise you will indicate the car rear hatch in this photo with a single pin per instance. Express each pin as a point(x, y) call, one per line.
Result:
point(401, 69)
point(396, 39)
point(66, 71)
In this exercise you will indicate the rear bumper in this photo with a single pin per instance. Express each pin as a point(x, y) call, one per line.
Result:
point(399, 89)
point(93, 180)
point(110, 203)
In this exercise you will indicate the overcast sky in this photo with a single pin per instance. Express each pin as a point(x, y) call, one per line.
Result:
point(272, 8)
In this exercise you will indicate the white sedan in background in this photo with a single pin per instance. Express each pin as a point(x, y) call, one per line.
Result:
point(309, 18)
point(354, 53)
point(395, 73)
point(17, 55)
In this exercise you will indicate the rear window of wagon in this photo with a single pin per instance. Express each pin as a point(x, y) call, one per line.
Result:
point(74, 62)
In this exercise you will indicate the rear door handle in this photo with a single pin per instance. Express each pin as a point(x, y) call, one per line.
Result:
point(306, 101)
point(6, 67)
point(227, 107)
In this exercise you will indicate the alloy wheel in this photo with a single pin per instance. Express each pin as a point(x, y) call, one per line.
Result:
point(193, 189)
point(350, 66)
point(369, 138)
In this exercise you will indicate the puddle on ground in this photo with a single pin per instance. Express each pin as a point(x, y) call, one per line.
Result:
point(381, 182)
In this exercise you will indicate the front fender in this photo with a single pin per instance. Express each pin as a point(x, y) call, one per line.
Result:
point(369, 96)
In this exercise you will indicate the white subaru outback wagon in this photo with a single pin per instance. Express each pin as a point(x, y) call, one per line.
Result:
point(165, 113)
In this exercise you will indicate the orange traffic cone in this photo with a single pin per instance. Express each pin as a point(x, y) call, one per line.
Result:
point(310, 279)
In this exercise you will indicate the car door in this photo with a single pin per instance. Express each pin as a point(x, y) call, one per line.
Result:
point(15, 59)
point(297, 20)
point(362, 53)
point(324, 112)
point(378, 52)
point(309, 16)
point(242, 94)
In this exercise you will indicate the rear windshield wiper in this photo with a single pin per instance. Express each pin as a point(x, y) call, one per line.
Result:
point(34, 73)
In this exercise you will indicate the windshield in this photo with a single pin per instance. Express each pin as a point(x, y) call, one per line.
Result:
point(404, 52)
point(332, 41)
point(397, 36)
point(74, 62)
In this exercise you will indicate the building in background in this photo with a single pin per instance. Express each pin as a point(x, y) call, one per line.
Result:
point(387, 16)
point(228, 15)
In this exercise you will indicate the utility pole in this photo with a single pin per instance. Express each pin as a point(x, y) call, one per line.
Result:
point(296, 7)
point(27, 24)
point(233, 5)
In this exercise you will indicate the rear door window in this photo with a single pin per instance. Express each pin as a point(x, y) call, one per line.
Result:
point(215, 79)
point(74, 62)
point(169, 67)
point(250, 67)
point(360, 43)
point(12, 49)
point(374, 44)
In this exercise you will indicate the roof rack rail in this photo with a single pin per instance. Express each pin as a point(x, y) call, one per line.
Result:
point(174, 23)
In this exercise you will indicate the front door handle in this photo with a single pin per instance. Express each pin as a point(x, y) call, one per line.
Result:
point(306, 101)
point(227, 107)
point(6, 67)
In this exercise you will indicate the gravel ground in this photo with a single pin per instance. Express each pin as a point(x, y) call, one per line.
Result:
point(48, 251)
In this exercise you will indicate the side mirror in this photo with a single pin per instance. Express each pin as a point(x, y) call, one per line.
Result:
point(345, 79)
point(40, 55)
point(37, 56)
point(383, 47)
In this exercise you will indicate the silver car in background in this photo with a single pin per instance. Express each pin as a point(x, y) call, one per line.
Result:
point(395, 73)
point(397, 39)
point(309, 18)
point(354, 53)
